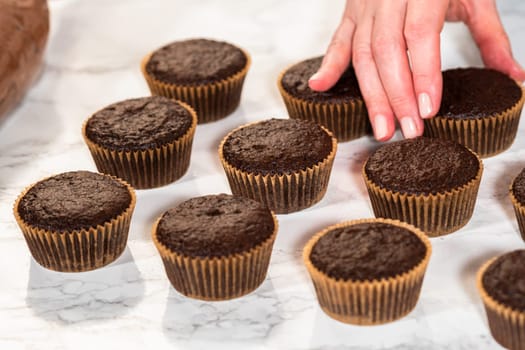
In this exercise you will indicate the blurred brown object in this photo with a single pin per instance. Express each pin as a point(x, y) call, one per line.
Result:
point(24, 27)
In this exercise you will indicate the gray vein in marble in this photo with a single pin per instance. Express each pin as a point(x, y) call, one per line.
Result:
point(256, 314)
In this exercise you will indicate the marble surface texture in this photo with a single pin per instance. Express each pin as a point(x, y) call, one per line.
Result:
point(92, 60)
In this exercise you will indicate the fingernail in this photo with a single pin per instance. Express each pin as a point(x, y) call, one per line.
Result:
point(380, 127)
point(409, 127)
point(425, 105)
point(316, 76)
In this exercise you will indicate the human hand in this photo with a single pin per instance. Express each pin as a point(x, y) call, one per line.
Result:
point(394, 47)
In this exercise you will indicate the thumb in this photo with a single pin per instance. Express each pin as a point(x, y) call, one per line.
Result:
point(488, 33)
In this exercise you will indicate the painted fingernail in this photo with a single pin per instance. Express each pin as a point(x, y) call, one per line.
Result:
point(425, 105)
point(409, 127)
point(316, 76)
point(380, 127)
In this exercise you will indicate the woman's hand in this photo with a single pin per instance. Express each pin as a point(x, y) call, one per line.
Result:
point(394, 47)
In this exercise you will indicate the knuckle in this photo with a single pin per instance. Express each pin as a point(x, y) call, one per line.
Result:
point(376, 105)
point(422, 79)
point(417, 31)
point(400, 103)
point(376, 102)
point(361, 54)
point(336, 45)
point(383, 45)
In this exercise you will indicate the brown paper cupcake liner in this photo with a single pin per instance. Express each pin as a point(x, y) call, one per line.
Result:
point(506, 325)
point(346, 120)
point(519, 210)
point(486, 136)
point(78, 250)
point(435, 214)
point(282, 193)
point(212, 101)
point(146, 168)
point(217, 278)
point(370, 302)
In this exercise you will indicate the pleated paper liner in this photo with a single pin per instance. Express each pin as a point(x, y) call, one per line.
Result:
point(346, 120)
point(435, 214)
point(217, 278)
point(519, 210)
point(506, 324)
point(282, 193)
point(78, 250)
point(146, 168)
point(211, 101)
point(368, 302)
point(486, 136)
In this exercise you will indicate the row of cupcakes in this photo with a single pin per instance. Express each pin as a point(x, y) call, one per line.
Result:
point(480, 107)
point(218, 247)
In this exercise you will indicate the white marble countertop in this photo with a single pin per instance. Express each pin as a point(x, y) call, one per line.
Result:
point(92, 60)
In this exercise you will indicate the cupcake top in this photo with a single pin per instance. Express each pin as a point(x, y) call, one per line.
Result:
point(504, 280)
point(367, 251)
point(295, 82)
point(518, 187)
point(422, 166)
point(470, 93)
point(74, 201)
point(196, 61)
point(277, 146)
point(139, 124)
point(215, 226)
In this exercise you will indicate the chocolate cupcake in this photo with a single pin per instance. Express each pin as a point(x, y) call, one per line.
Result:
point(340, 109)
point(368, 271)
point(145, 141)
point(429, 183)
point(517, 196)
point(501, 283)
point(206, 74)
point(216, 247)
point(283, 163)
point(480, 109)
point(75, 221)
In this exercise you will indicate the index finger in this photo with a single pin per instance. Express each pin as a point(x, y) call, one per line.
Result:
point(336, 59)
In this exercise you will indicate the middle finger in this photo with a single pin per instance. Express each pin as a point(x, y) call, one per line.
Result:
point(390, 56)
